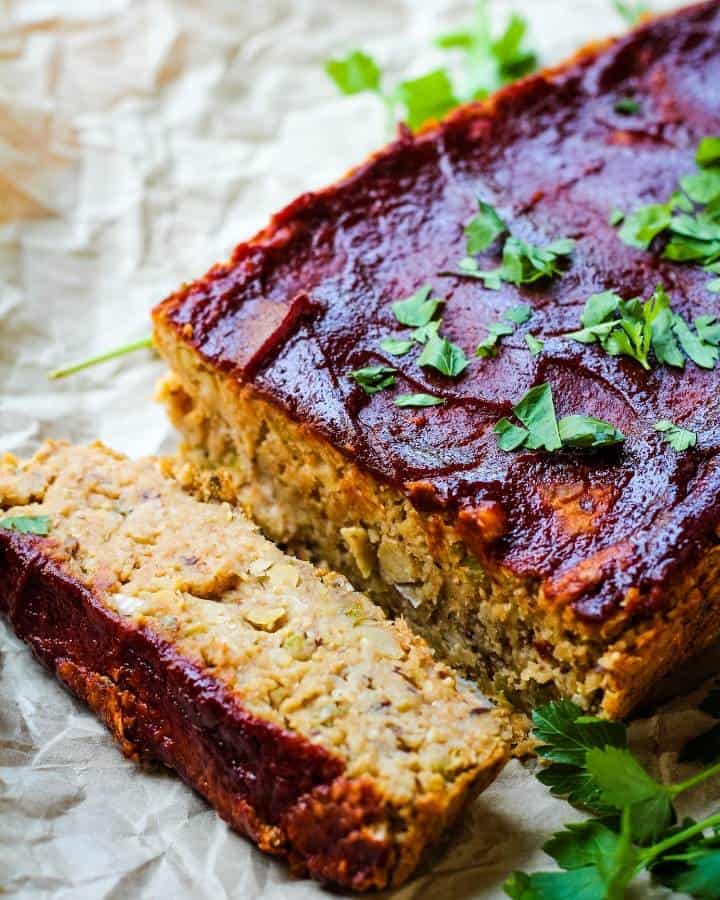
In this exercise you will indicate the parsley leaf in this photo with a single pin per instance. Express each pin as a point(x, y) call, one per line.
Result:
point(490, 63)
point(27, 524)
point(702, 353)
point(439, 353)
point(489, 345)
point(586, 432)
point(427, 97)
point(632, 12)
point(418, 309)
point(623, 782)
point(708, 152)
point(627, 106)
point(679, 438)
point(373, 379)
point(567, 733)
point(543, 431)
point(641, 227)
point(413, 400)
point(536, 411)
point(354, 73)
point(396, 346)
point(518, 314)
point(484, 228)
point(535, 345)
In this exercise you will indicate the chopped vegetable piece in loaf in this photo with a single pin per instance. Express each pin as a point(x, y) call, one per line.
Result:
point(326, 733)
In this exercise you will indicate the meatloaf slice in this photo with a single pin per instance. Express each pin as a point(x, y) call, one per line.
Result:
point(584, 574)
point(314, 726)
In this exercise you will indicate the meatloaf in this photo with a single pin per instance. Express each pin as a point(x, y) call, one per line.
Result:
point(582, 574)
point(322, 731)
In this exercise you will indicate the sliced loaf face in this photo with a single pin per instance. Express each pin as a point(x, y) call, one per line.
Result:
point(314, 725)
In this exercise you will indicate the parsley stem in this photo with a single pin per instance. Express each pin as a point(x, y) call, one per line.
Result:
point(676, 789)
point(679, 838)
point(143, 343)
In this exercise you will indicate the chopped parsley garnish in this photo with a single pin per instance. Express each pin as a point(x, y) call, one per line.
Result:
point(426, 98)
point(413, 400)
point(354, 73)
point(373, 379)
point(447, 358)
point(689, 221)
point(543, 431)
point(418, 309)
point(635, 327)
point(522, 263)
point(679, 438)
point(631, 11)
point(635, 826)
point(27, 524)
point(517, 315)
point(535, 345)
point(616, 216)
point(489, 345)
point(627, 106)
point(396, 346)
point(490, 63)
point(484, 228)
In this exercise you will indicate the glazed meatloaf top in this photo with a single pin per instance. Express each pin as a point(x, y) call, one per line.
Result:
point(308, 300)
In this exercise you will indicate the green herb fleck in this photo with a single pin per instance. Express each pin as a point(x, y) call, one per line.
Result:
point(354, 73)
point(679, 438)
point(373, 379)
point(418, 309)
point(27, 524)
point(708, 152)
point(616, 216)
point(518, 314)
point(396, 346)
point(522, 263)
point(627, 106)
point(489, 345)
point(412, 400)
point(427, 97)
point(632, 12)
point(535, 345)
point(482, 230)
point(439, 353)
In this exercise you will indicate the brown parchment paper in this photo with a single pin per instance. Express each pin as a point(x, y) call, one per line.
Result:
point(139, 141)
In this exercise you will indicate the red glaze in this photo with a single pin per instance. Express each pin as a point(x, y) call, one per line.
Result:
point(554, 158)
point(263, 780)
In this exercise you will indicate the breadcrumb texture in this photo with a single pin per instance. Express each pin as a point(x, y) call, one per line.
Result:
point(588, 575)
point(322, 731)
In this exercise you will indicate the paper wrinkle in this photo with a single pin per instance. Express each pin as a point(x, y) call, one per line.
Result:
point(139, 142)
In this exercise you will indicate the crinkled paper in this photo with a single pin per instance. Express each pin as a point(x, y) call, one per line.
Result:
point(139, 141)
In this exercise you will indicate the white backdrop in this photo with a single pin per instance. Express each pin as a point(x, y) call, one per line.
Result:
point(139, 141)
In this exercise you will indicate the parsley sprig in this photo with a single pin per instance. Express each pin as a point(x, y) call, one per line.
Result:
point(631, 10)
point(522, 263)
point(490, 62)
point(689, 220)
point(516, 315)
point(634, 827)
point(635, 327)
point(541, 429)
point(679, 438)
point(27, 524)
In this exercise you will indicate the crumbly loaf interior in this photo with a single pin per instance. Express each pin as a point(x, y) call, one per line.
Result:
point(492, 625)
point(297, 645)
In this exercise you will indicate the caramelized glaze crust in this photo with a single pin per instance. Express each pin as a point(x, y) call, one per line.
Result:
point(308, 300)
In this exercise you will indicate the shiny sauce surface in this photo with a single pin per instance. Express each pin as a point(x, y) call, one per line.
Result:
point(310, 299)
